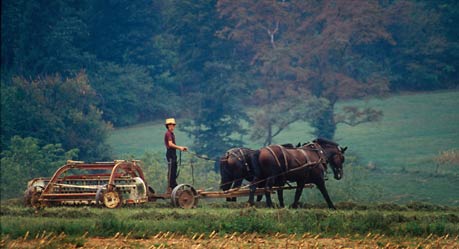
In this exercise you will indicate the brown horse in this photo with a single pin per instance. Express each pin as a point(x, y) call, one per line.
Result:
point(236, 165)
point(307, 164)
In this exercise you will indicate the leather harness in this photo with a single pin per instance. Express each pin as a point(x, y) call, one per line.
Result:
point(314, 146)
point(241, 158)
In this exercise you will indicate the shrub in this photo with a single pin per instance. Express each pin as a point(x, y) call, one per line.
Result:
point(447, 161)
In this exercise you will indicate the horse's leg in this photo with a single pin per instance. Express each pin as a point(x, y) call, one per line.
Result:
point(252, 189)
point(298, 192)
point(254, 168)
point(225, 186)
point(226, 176)
point(260, 197)
point(236, 184)
point(321, 186)
point(269, 202)
point(280, 197)
point(268, 186)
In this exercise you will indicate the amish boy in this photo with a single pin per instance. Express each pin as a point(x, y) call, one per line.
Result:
point(171, 154)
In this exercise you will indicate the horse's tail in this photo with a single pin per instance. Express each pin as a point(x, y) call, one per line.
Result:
point(226, 179)
point(254, 165)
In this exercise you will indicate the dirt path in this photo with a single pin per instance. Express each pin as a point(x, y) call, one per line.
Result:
point(170, 240)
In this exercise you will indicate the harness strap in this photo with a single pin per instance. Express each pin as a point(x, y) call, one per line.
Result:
point(322, 156)
point(244, 161)
point(232, 153)
point(319, 150)
point(275, 156)
point(305, 155)
point(240, 156)
point(285, 157)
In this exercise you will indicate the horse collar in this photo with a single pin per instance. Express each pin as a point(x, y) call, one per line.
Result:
point(244, 162)
point(322, 153)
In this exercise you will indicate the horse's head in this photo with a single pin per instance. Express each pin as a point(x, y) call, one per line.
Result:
point(335, 156)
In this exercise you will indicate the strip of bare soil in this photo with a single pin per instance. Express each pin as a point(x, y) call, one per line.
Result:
point(251, 240)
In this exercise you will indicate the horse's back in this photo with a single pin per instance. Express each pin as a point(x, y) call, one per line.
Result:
point(293, 163)
point(269, 160)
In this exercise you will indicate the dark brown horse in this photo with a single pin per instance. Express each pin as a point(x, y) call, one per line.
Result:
point(236, 165)
point(307, 164)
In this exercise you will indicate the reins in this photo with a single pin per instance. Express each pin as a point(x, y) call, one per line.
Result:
point(211, 160)
point(308, 164)
point(200, 156)
point(281, 174)
point(288, 170)
point(303, 151)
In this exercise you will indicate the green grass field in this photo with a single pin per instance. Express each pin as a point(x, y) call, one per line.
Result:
point(152, 218)
point(393, 160)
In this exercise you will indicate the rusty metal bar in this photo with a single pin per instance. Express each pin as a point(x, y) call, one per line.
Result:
point(242, 192)
point(68, 194)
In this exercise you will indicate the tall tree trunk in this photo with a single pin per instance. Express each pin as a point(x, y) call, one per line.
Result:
point(269, 138)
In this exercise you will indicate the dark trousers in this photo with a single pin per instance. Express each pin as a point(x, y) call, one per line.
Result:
point(171, 157)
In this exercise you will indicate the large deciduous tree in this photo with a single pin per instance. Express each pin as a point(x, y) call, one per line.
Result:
point(216, 125)
point(427, 52)
point(43, 37)
point(298, 48)
point(206, 73)
point(55, 110)
point(125, 94)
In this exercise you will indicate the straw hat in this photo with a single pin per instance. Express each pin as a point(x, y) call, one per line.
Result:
point(170, 121)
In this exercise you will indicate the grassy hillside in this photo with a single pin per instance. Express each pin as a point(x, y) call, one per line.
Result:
point(414, 129)
point(394, 157)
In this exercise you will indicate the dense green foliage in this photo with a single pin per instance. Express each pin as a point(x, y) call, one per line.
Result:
point(25, 160)
point(55, 111)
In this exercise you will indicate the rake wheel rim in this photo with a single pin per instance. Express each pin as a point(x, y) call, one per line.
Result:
point(112, 199)
point(184, 196)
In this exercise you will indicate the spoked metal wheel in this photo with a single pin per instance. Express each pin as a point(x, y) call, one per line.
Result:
point(112, 199)
point(32, 196)
point(184, 196)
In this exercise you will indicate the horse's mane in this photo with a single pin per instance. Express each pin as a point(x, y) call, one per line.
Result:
point(289, 146)
point(240, 148)
point(322, 141)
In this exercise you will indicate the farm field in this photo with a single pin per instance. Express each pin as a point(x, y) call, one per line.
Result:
point(368, 90)
point(390, 161)
point(231, 225)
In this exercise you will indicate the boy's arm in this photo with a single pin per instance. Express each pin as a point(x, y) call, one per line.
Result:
point(174, 146)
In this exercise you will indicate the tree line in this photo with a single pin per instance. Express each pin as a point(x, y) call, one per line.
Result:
point(73, 70)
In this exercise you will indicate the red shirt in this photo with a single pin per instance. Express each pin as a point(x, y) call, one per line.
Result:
point(167, 137)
